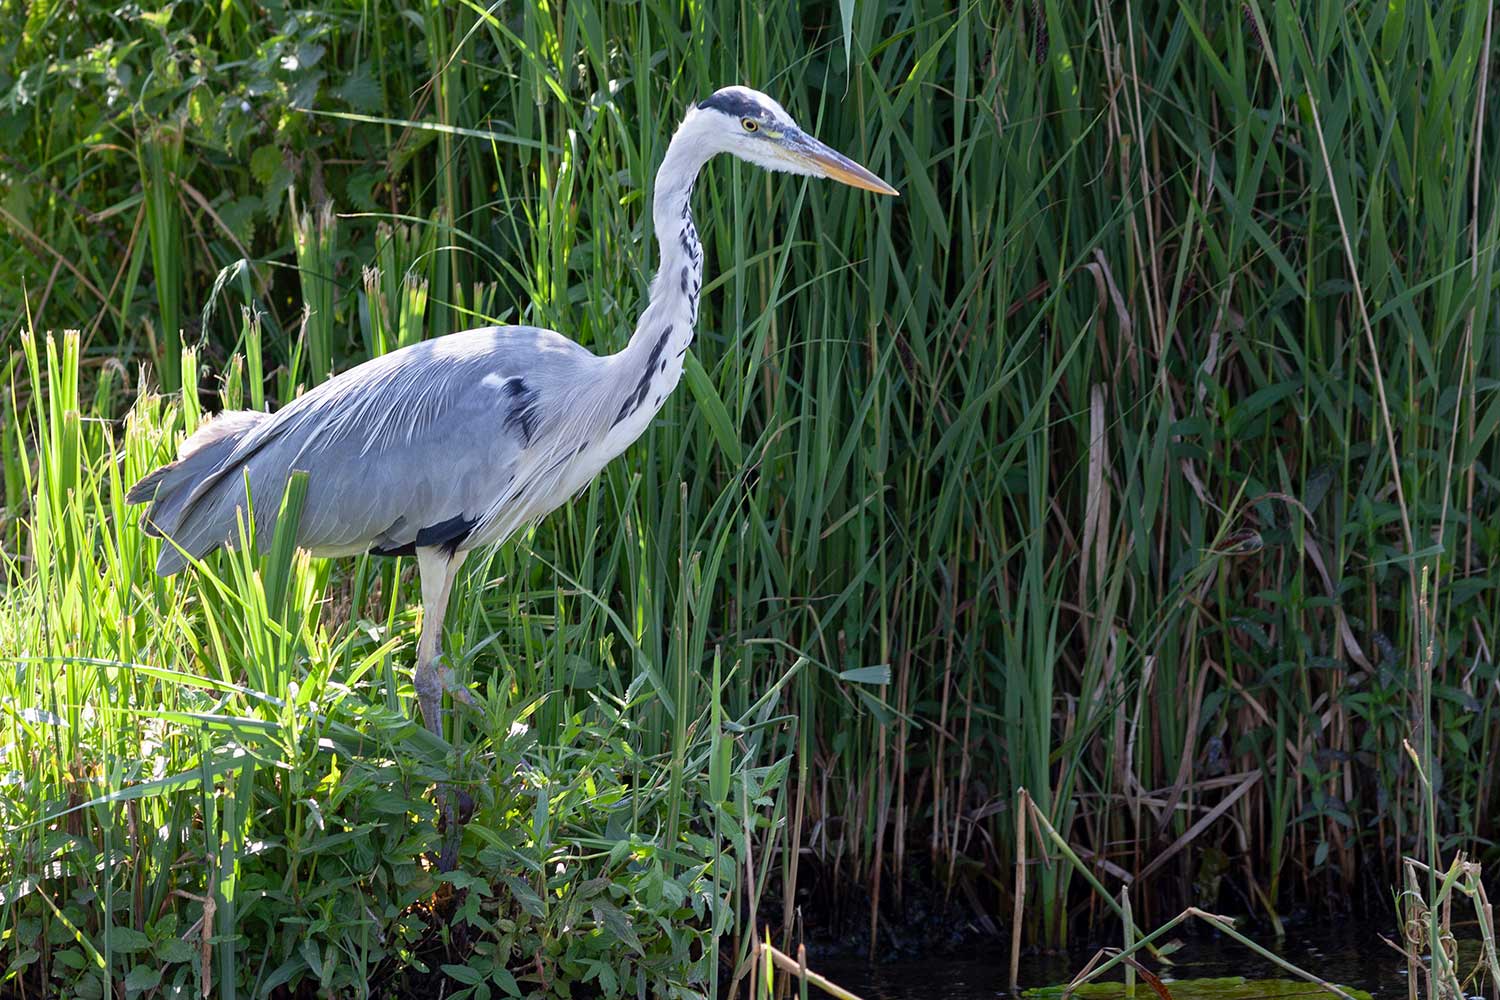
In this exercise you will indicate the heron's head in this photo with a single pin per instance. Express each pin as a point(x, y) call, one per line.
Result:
point(748, 124)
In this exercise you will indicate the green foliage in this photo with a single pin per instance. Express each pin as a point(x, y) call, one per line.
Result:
point(218, 780)
point(1122, 440)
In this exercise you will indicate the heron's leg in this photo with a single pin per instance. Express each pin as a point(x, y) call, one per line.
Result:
point(438, 570)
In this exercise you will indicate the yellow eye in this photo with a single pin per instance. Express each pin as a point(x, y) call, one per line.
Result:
point(750, 124)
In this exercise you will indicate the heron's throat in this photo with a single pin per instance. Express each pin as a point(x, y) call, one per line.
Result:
point(665, 330)
point(679, 274)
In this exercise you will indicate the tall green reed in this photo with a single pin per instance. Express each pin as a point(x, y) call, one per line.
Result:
point(160, 155)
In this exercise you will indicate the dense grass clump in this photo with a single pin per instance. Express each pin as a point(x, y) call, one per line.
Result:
point(1140, 455)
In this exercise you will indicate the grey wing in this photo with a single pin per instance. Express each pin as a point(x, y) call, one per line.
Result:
point(422, 447)
point(425, 478)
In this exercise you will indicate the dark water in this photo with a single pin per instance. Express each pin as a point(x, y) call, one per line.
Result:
point(1350, 954)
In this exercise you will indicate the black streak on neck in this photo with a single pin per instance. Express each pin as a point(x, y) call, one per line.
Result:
point(642, 388)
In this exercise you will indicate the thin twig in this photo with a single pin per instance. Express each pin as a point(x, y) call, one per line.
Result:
point(787, 963)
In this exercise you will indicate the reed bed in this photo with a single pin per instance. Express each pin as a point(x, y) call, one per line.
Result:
point(1140, 456)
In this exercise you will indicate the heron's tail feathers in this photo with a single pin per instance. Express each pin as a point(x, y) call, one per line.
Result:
point(171, 488)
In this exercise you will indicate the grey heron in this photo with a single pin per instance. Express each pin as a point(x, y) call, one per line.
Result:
point(455, 443)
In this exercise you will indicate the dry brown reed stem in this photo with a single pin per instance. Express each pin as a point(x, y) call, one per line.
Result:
point(787, 963)
point(204, 928)
point(1202, 824)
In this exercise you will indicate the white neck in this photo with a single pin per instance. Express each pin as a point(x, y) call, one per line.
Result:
point(652, 363)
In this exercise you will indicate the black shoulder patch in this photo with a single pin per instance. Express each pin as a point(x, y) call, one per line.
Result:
point(732, 102)
point(522, 415)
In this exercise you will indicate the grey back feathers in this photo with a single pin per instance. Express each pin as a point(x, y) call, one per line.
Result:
point(453, 442)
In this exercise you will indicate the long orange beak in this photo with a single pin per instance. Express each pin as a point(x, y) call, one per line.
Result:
point(834, 165)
